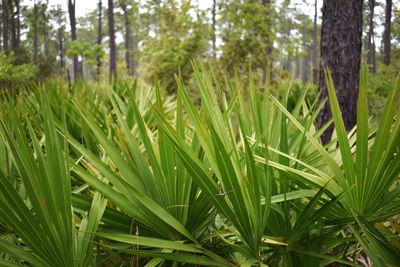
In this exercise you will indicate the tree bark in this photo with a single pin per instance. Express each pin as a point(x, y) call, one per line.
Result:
point(387, 33)
point(18, 21)
point(128, 41)
point(13, 26)
point(214, 29)
point(35, 33)
point(60, 36)
point(72, 21)
point(371, 37)
point(45, 31)
point(315, 45)
point(1, 28)
point(305, 65)
point(61, 50)
point(111, 33)
point(268, 42)
point(341, 55)
point(5, 26)
point(99, 37)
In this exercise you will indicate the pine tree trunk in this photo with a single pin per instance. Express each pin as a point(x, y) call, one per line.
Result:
point(18, 21)
point(214, 29)
point(341, 55)
point(315, 45)
point(60, 37)
point(268, 43)
point(5, 26)
point(61, 49)
point(99, 37)
point(13, 26)
point(128, 42)
point(305, 71)
point(370, 37)
point(35, 33)
point(45, 32)
point(72, 20)
point(387, 33)
point(1, 28)
point(111, 33)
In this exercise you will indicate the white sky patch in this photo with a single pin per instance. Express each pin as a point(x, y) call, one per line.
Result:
point(85, 6)
point(307, 6)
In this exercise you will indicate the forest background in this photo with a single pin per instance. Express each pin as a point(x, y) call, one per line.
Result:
point(156, 40)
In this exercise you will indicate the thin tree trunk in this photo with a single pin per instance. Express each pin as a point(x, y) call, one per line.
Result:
point(315, 45)
point(35, 33)
point(60, 36)
point(1, 28)
point(99, 37)
point(341, 55)
point(61, 50)
point(45, 31)
point(306, 68)
point(5, 26)
point(387, 33)
point(18, 21)
point(72, 20)
point(305, 72)
point(268, 43)
point(288, 62)
point(111, 33)
point(13, 27)
point(128, 42)
point(370, 37)
point(214, 29)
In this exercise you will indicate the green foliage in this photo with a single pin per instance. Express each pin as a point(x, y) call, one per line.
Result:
point(245, 34)
point(297, 90)
point(379, 89)
point(89, 52)
point(15, 76)
point(114, 175)
point(179, 38)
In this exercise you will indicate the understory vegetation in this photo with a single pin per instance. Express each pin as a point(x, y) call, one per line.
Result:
point(125, 175)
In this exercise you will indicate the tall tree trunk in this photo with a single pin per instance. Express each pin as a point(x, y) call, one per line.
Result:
point(214, 29)
point(72, 21)
point(297, 67)
point(371, 37)
point(60, 36)
point(111, 33)
point(99, 37)
point(61, 49)
point(387, 33)
point(305, 70)
point(268, 43)
point(128, 41)
point(45, 31)
point(35, 33)
point(1, 28)
point(341, 55)
point(4, 18)
point(287, 65)
point(18, 21)
point(305, 76)
point(315, 45)
point(13, 27)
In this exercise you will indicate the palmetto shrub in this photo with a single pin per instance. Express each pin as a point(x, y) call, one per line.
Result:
point(124, 176)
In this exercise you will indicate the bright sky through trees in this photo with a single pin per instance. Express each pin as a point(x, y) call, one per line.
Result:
point(84, 6)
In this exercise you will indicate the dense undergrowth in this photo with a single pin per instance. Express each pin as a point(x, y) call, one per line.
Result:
point(124, 176)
